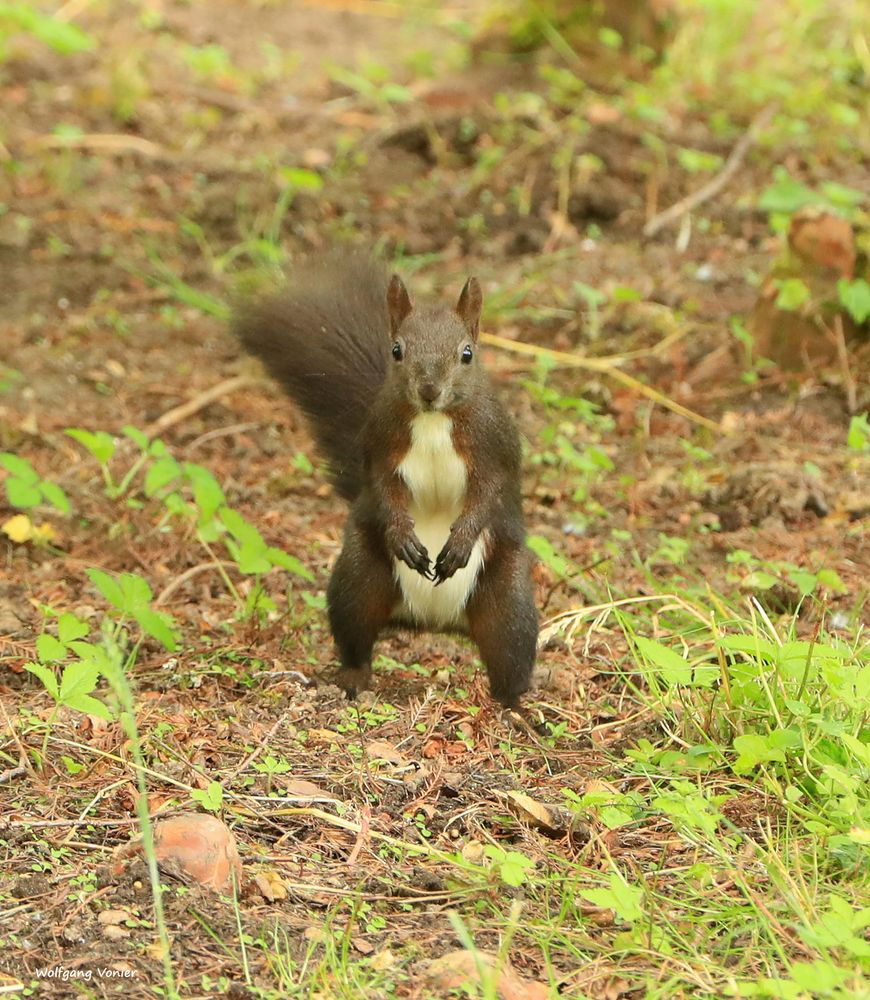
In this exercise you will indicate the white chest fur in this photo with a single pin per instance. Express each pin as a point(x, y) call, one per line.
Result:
point(436, 477)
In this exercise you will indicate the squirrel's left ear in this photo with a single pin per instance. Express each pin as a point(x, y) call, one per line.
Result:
point(469, 305)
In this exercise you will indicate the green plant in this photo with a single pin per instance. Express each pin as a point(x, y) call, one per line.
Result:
point(372, 83)
point(190, 492)
point(25, 488)
point(79, 679)
point(512, 867)
point(25, 18)
point(210, 798)
point(858, 438)
point(785, 196)
point(624, 899)
point(130, 597)
point(855, 298)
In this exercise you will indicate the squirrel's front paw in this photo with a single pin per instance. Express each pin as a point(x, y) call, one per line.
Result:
point(404, 545)
point(455, 554)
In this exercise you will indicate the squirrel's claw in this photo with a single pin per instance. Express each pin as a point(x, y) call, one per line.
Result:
point(413, 554)
point(454, 556)
point(445, 566)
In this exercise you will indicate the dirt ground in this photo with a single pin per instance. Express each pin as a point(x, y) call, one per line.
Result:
point(95, 336)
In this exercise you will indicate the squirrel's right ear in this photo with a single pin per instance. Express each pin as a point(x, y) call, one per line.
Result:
point(469, 305)
point(398, 303)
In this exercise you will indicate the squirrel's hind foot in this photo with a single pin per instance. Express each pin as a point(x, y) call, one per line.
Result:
point(353, 680)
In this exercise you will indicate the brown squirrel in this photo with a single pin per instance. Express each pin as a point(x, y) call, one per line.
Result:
point(423, 450)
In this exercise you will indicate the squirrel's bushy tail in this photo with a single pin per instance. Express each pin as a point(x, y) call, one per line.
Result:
point(325, 338)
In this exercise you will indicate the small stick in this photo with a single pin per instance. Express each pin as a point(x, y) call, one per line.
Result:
point(188, 574)
point(843, 357)
point(607, 367)
point(252, 756)
point(219, 432)
point(185, 410)
point(102, 142)
point(717, 183)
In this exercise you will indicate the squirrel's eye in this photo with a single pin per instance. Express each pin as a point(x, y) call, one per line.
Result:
point(467, 355)
point(397, 351)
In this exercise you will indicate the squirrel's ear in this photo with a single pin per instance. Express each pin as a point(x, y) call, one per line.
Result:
point(469, 305)
point(398, 303)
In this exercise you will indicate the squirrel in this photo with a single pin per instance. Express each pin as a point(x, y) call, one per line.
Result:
point(423, 450)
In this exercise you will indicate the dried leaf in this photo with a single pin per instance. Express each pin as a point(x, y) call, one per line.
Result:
point(381, 750)
point(271, 886)
point(302, 789)
point(459, 969)
point(551, 818)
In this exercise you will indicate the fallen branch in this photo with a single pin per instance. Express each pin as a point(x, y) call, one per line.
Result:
point(188, 574)
point(185, 410)
point(100, 142)
point(717, 183)
point(606, 366)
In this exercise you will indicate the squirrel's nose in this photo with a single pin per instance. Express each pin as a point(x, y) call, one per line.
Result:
point(429, 392)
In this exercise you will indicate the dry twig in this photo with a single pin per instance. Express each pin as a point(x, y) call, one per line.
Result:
point(717, 183)
point(607, 366)
point(179, 413)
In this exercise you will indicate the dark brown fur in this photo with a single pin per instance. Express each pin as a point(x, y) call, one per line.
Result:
point(328, 339)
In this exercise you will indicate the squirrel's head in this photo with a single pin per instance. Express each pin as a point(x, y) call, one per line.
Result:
point(434, 350)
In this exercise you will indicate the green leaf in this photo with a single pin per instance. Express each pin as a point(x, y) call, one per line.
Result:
point(830, 580)
point(842, 196)
point(211, 798)
point(49, 649)
point(49, 681)
point(624, 899)
point(242, 530)
point(804, 581)
point(72, 766)
point(62, 36)
point(18, 467)
point(793, 293)
point(278, 557)
point(672, 668)
point(755, 749)
point(22, 494)
point(543, 549)
point(252, 558)
point(159, 626)
point(786, 195)
point(696, 161)
point(100, 444)
point(77, 679)
point(70, 628)
point(512, 866)
point(108, 587)
point(136, 591)
point(207, 494)
point(139, 438)
point(748, 644)
point(164, 471)
point(855, 298)
point(300, 179)
point(89, 705)
point(759, 580)
point(55, 496)
point(858, 438)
